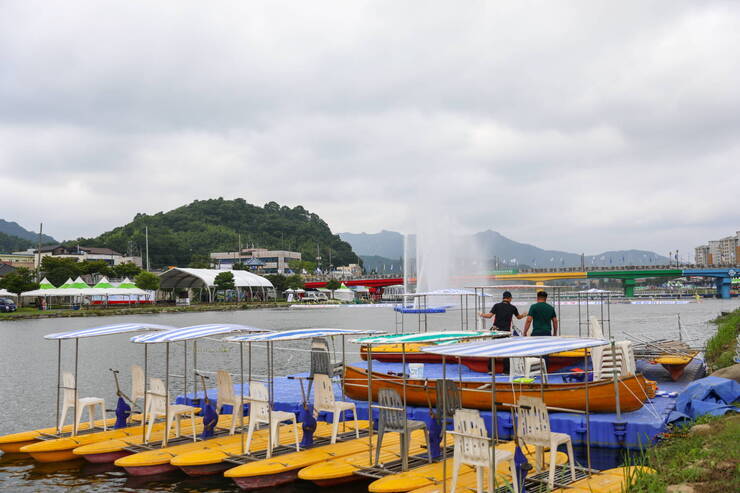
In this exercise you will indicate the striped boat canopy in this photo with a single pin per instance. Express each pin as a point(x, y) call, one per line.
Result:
point(109, 330)
point(516, 347)
point(428, 337)
point(193, 332)
point(293, 335)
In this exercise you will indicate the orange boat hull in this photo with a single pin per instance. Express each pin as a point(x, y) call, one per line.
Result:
point(633, 391)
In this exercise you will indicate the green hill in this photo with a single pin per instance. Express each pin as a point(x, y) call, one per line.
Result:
point(187, 235)
point(10, 243)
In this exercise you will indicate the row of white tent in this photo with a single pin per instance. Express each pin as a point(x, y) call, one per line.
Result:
point(78, 287)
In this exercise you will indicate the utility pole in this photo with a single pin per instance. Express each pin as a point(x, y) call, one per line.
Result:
point(146, 240)
point(38, 251)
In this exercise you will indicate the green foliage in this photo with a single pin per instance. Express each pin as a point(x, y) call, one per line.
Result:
point(147, 281)
point(22, 279)
point(128, 269)
point(279, 281)
point(200, 262)
point(95, 267)
point(239, 266)
point(177, 237)
point(58, 269)
point(720, 348)
point(298, 266)
point(224, 281)
point(295, 282)
point(10, 243)
point(712, 459)
point(333, 284)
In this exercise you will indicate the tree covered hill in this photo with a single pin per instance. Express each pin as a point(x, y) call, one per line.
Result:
point(14, 229)
point(11, 243)
point(186, 235)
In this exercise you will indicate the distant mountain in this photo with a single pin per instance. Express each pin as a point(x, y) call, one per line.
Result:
point(382, 265)
point(15, 229)
point(188, 234)
point(502, 252)
point(388, 244)
point(10, 243)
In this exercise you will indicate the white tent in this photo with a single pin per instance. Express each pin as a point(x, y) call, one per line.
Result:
point(344, 294)
point(244, 281)
point(5, 293)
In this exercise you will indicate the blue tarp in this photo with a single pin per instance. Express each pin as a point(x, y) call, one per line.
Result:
point(709, 395)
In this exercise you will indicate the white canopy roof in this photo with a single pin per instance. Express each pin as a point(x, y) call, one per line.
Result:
point(4, 292)
point(179, 277)
point(516, 347)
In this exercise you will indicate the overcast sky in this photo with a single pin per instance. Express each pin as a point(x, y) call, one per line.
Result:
point(582, 126)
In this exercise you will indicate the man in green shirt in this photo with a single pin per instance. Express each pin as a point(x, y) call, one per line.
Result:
point(542, 317)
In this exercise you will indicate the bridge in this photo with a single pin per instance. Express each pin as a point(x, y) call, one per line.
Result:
point(629, 276)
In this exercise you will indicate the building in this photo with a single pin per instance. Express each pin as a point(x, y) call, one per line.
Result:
point(83, 253)
point(701, 255)
point(273, 261)
point(723, 252)
point(348, 271)
point(18, 259)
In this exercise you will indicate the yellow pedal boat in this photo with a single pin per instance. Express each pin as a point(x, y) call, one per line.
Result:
point(341, 470)
point(287, 468)
point(160, 460)
point(61, 449)
point(13, 443)
point(431, 474)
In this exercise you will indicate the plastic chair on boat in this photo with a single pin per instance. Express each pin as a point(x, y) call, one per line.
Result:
point(451, 393)
point(323, 400)
point(533, 428)
point(472, 447)
point(227, 396)
point(260, 412)
point(89, 403)
point(157, 407)
point(607, 364)
point(320, 361)
point(527, 367)
point(391, 419)
point(138, 389)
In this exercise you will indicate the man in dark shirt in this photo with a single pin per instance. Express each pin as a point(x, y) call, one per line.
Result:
point(542, 317)
point(502, 313)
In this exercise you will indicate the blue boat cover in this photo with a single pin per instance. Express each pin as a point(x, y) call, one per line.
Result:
point(109, 330)
point(193, 332)
point(516, 347)
point(709, 395)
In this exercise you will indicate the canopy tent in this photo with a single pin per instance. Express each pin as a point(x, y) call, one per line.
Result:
point(430, 337)
point(126, 284)
point(45, 284)
point(344, 293)
point(193, 332)
point(103, 283)
point(5, 293)
point(184, 278)
point(293, 335)
point(105, 330)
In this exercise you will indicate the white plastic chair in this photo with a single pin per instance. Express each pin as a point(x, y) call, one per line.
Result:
point(534, 429)
point(68, 402)
point(157, 407)
point(227, 396)
point(472, 447)
point(527, 367)
point(595, 329)
point(138, 389)
point(323, 400)
point(260, 412)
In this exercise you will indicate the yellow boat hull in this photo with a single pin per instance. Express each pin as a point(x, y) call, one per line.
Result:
point(431, 474)
point(13, 442)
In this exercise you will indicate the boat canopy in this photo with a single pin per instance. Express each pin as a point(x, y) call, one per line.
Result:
point(193, 332)
point(105, 330)
point(292, 335)
point(430, 337)
point(516, 347)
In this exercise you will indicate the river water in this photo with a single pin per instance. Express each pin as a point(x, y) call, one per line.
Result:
point(28, 372)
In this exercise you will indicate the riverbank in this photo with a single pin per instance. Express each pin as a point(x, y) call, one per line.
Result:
point(32, 313)
point(701, 457)
point(721, 347)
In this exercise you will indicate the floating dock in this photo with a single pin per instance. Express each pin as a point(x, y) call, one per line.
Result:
point(635, 430)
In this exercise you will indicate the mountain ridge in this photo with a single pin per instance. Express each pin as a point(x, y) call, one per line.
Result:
point(12, 228)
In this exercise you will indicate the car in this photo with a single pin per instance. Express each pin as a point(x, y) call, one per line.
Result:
point(7, 305)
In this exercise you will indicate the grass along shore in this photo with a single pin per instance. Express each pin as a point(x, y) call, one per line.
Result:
point(721, 347)
point(99, 311)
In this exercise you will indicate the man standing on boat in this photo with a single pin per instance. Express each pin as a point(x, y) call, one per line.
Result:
point(541, 317)
point(503, 313)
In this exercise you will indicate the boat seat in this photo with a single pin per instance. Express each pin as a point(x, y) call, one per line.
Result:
point(158, 408)
point(320, 361)
point(260, 412)
point(227, 397)
point(138, 390)
point(533, 428)
point(323, 400)
point(447, 393)
point(472, 447)
point(89, 403)
point(392, 418)
point(527, 367)
point(606, 364)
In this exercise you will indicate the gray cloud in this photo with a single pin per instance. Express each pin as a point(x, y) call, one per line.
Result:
point(582, 126)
